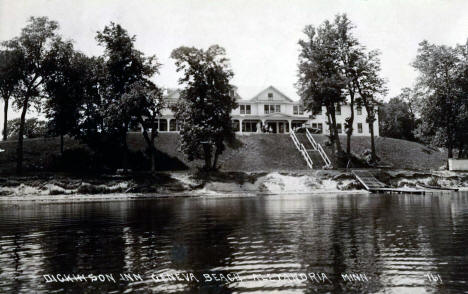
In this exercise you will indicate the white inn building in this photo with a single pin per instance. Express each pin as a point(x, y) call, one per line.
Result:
point(273, 112)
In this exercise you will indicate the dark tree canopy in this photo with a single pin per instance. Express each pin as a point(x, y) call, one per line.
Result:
point(204, 110)
point(321, 80)
point(396, 120)
point(442, 80)
point(35, 45)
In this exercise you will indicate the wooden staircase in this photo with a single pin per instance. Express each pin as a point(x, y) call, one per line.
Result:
point(312, 151)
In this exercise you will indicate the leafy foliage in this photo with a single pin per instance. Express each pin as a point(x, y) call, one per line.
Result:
point(443, 104)
point(321, 80)
point(35, 45)
point(204, 110)
point(396, 120)
point(33, 128)
point(10, 75)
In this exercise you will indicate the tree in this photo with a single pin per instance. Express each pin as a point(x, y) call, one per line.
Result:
point(205, 105)
point(396, 119)
point(33, 128)
point(370, 87)
point(64, 85)
point(321, 80)
point(439, 76)
point(124, 66)
point(34, 45)
point(350, 53)
point(10, 74)
point(143, 103)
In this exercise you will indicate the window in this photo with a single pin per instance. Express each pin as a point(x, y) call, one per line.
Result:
point(270, 96)
point(359, 128)
point(338, 127)
point(249, 126)
point(235, 125)
point(272, 108)
point(163, 125)
point(320, 127)
point(298, 110)
point(245, 109)
point(338, 109)
point(172, 125)
point(359, 110)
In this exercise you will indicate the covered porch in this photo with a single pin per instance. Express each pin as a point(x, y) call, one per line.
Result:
point(276, 123)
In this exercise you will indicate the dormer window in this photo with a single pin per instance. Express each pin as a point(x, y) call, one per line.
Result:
point(270, 96)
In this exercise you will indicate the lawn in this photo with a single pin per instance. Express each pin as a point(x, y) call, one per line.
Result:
point(255, 152)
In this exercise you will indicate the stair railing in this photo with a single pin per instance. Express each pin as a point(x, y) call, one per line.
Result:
point(301, 149)
point(319, 148)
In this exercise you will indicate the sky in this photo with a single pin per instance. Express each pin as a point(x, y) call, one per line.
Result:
point(260, 36)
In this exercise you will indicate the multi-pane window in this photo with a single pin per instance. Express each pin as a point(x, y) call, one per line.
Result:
point(338, 109)
point(359, 128)
point(298, 110)
point(359, 110)
point(249, 126)
point(320, 127)
point(338, 127)
point(245, 109)
point(269, 108)
point(270, 96)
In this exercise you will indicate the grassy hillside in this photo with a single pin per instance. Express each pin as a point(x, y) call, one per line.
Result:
point(253, 152)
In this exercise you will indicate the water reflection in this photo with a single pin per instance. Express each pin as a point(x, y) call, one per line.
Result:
point(394, 241)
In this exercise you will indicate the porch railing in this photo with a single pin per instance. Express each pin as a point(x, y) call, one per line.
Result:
point(319, 148)
point(301, 149)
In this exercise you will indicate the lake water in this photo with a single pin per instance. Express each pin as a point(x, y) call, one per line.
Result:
point(281, 244)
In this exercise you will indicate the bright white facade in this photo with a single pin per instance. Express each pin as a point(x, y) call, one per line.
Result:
point(272, 111)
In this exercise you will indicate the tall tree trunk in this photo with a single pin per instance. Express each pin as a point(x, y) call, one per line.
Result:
point(5, 118)
point(372, 140)
point(215, 161)
point(125, 150)
point(331, 132)
point(61, 144)
point(151, 148)
point(335, 131)
point(207, 152)
point(349, 130)
point(19, 147)
point(460, 150)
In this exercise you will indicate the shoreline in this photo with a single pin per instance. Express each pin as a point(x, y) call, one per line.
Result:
point(125, 196)
point(189, 184)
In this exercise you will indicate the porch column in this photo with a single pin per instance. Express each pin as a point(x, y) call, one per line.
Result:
point(263, 124)
point(277, 127)
point(289, 122)
point(240, 125)
point(259, 127)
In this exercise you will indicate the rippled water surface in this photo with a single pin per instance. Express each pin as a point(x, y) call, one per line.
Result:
point(394, 244)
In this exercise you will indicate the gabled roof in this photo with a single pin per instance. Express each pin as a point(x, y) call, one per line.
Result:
point(270, 89)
